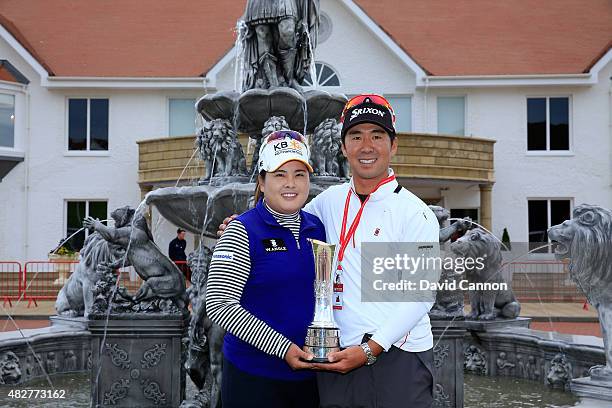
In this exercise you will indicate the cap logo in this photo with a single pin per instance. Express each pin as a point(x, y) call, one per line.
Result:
point(291, 146)
point(362, 111)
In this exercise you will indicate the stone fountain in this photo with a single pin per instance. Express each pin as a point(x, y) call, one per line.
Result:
point(138, 348)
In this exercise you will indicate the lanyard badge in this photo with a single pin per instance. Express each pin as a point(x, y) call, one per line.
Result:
point(345, 238)
point(338, 289)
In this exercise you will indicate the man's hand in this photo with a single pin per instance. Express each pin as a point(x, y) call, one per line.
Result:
point(344, 361)
point(294, 357)
point(223, 225)
point(349, 359)
point(91, 223)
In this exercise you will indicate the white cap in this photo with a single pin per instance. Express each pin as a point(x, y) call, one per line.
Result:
point(281, 147)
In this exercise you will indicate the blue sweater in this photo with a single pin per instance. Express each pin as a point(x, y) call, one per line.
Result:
point(279, 290)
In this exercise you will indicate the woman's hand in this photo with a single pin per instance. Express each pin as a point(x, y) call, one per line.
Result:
point(294, 357)
point(223, 225)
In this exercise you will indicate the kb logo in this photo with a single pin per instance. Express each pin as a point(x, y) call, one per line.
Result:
point(281, 145)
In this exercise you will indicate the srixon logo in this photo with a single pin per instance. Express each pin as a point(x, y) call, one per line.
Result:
point(361, 111)
point(274, 245)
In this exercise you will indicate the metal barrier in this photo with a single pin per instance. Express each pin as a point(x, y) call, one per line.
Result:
point(532, 281)
point(11, 280)
point(547, 281)
point(42, 280)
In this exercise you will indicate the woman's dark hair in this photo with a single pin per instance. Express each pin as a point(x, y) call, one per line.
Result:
point(258, 193)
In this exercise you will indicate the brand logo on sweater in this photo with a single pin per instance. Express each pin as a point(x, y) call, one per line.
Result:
point(362, 111)
point(274, 245)
point(223, 255)
point(376, 232)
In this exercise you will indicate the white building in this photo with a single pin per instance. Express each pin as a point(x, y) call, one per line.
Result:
point(81, 83)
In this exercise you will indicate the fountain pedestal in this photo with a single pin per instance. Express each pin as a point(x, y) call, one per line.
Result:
point(140, 360)
point(587, 387)
point(448, 362)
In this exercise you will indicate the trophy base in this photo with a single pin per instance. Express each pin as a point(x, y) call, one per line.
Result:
point(320, 341)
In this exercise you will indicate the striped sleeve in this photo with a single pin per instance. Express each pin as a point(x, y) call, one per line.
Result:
point(229, 270)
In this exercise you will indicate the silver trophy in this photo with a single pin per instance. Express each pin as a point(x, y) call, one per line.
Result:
point(323, 335)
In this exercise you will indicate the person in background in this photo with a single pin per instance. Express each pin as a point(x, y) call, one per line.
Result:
point(176, 252)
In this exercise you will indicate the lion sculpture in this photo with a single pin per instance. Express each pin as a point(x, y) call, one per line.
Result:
point(10, 372)
point(486, 304)
point(586, 240)
point(161, 277)
point(220, 149)
point(76, 296)
point(326, 152)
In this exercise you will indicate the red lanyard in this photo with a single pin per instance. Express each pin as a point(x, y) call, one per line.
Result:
point(345, 239)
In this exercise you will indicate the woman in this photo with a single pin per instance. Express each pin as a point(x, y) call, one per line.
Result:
point(260, 285)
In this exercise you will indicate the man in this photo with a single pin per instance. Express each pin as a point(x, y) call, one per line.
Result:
point(387, 358)
point(176, 252)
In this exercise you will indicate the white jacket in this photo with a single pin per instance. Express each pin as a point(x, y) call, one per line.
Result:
point(388, 216)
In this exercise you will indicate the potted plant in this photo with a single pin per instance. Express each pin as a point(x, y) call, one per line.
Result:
point(62, 258)
point(506, 241)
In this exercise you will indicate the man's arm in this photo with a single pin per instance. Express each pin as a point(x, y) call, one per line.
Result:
point(408, 314)
point(171, 252)
point(314, 206)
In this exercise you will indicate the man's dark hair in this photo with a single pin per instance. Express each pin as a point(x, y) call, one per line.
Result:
point(178, 231)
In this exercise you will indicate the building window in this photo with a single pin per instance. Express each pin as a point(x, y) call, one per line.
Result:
point(76, 211)
point(464, 212)
point(402, 106)
point(87, 124)
point(326, 76)
point(542, 215)
point(547, 124)
point(7, 120)
point(182, 117)
point(451, 115)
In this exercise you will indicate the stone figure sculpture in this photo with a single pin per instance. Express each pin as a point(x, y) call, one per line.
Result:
point(220, 149)
point(532, 369)
point(486, 304)
point(442, 214)
point(161, 277)
point(326, 152)
point(51, 363)
point(475, 361)
point(560, 372)
point(29, 368)
point(449, 303)
point(278, 38)
point(204, 356)
point(521, 367)
point(503, 365)
point(76, 296)
point(10, 371)
point(586, 240)
point(70, 361)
